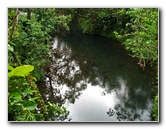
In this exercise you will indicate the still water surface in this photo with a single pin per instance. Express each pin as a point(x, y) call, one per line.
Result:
point(96, 80)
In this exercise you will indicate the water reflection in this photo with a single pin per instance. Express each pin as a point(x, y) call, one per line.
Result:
point(125, 109)
point(96, 82)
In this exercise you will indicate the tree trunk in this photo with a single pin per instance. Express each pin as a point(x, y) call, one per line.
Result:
point(29, 11)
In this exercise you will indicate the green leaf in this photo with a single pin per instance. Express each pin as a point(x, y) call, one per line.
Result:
point(25, 84)
point(17, 107)
point(32, 99)
point(21, 71)
point(10, 48)
point(34, 78)
point(16, 95)
point(30, 91)
point(10, 67)
point(11, 43)
point(29, 105)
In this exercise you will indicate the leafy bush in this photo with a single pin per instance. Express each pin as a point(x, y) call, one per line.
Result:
point(24, 100)
point(32, 33)
point(28, 44)
point(143, 41)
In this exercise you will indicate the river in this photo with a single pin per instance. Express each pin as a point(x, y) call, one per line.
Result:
point(96, 80)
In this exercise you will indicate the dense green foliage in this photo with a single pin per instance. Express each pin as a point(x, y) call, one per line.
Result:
point(35, 32)
point(25, 102)
point(29, 33)
point(136, 28)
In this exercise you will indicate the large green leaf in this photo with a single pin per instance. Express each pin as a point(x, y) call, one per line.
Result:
point(16, 95)
point(29, 105)
point(10, 67)
point(21, 71)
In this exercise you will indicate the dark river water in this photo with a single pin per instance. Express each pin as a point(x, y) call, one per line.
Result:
point(96, 80)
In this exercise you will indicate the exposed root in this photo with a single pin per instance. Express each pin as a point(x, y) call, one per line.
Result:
point(141, 63)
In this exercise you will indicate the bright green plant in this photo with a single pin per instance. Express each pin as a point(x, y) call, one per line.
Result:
point(24, 98)
point(21, 103)
point(20, 71)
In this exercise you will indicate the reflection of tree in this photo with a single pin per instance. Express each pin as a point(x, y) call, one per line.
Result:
point(64, 72)
point(128, 107)
point(128, 113)
point(74, 66)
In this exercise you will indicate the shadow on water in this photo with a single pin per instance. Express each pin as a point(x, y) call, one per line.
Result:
point(96, 80)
